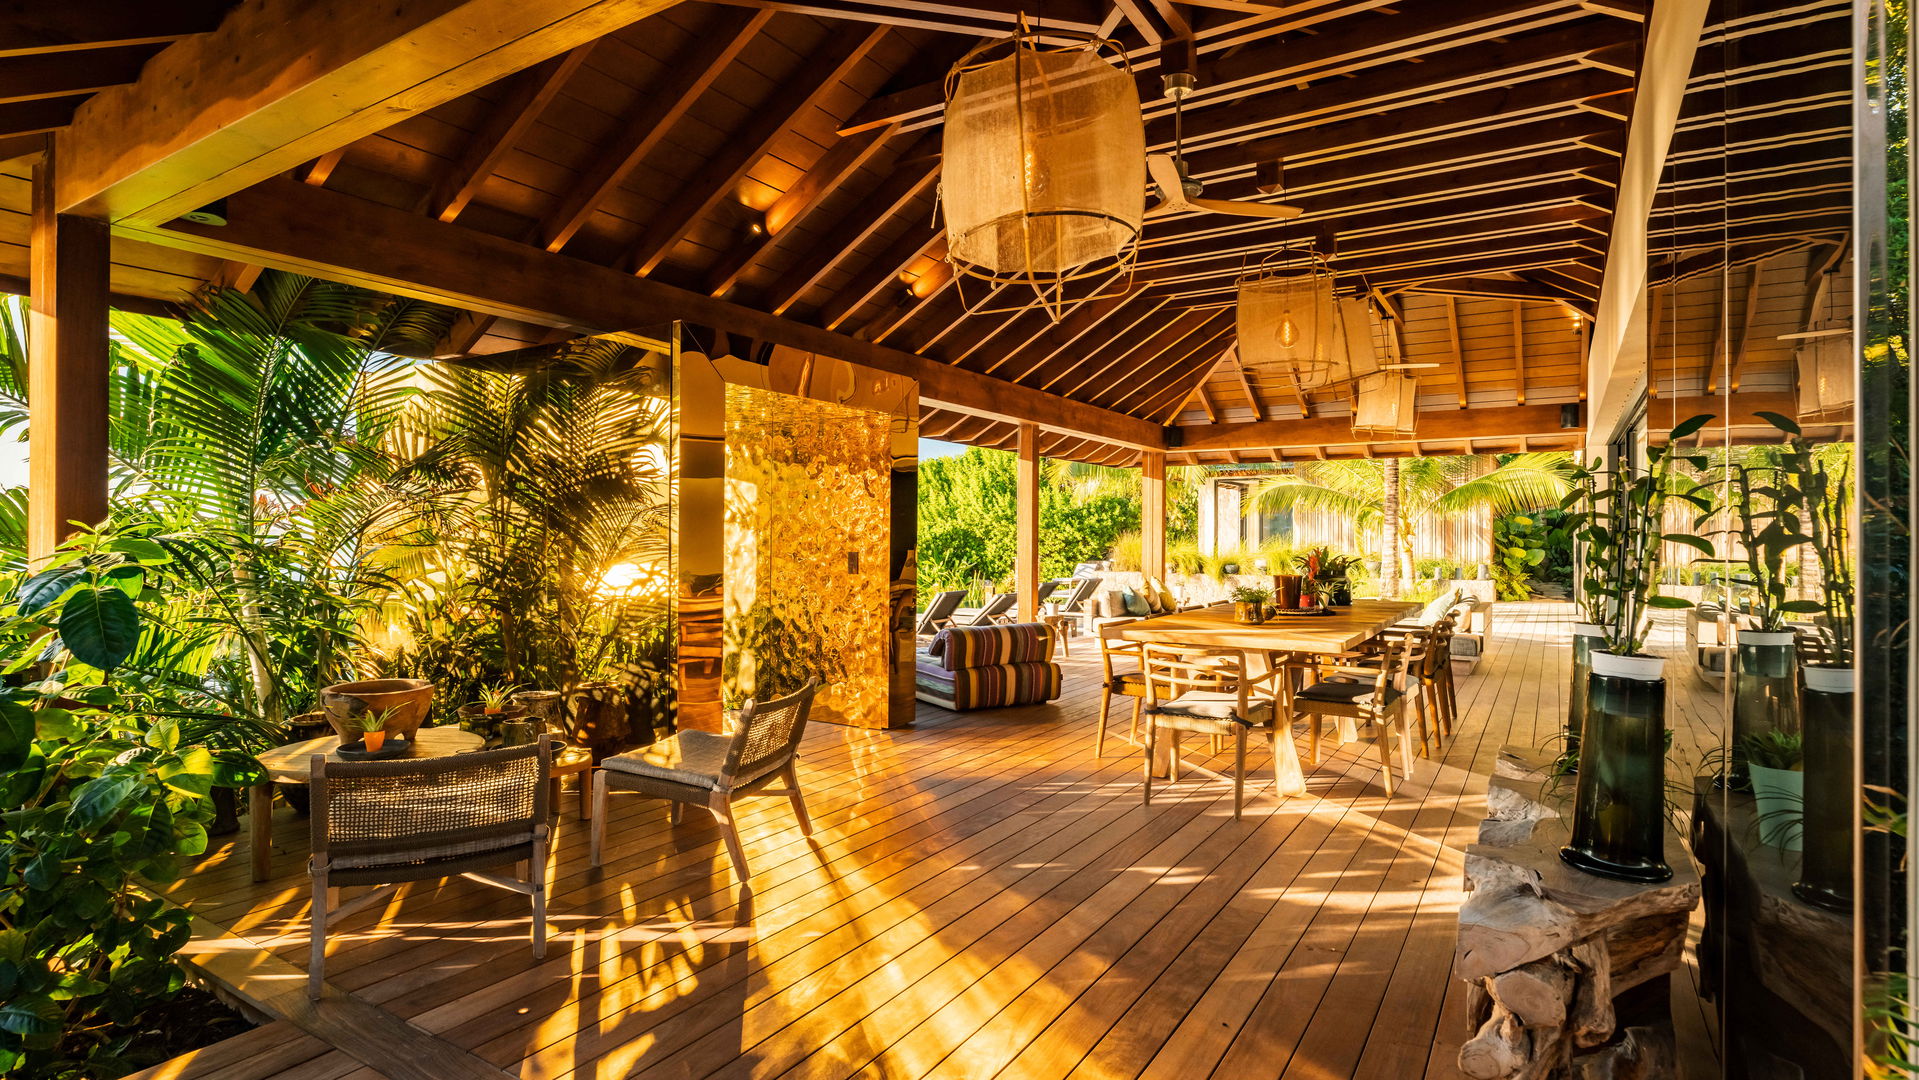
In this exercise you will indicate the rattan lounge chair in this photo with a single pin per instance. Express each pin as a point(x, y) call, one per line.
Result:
point(939, 614)
point(711, 770)
point(383, 823)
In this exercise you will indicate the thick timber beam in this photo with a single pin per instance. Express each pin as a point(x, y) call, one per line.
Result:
point(292, 226)
point(282, 82)
point(1026, 524)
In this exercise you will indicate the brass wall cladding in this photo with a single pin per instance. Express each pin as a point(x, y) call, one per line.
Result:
point(808, 497)
point(798, 524)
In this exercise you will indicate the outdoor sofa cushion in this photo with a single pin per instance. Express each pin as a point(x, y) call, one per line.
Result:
point(960, 647)
point(1346, 691)
point(693, 758)
point(991, 687)
point(1217, 705)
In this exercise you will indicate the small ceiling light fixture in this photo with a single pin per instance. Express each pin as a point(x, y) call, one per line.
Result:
point(213, 213)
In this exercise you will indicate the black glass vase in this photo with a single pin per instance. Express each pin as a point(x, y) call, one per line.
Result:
point(1765, 693)
point(1825, 872)
point(1586, 638)
point(1619, 805)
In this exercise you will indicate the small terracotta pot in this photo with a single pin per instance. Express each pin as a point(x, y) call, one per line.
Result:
point(346, 702)
point(371, 741)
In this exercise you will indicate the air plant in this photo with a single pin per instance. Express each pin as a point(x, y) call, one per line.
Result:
point(494, 699)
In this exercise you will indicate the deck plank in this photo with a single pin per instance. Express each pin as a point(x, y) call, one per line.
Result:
point(982, 898)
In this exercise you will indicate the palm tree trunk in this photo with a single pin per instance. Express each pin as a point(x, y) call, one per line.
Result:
point(1389, 525)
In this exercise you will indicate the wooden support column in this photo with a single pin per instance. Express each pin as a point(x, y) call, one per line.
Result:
point(66, 371)
point(1152, 513)
point(1026, 524)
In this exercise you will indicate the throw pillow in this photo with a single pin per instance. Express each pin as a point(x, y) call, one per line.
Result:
point(1111, 604)
point(1167, 601)
point(1135, 603)
point(1436, 609)
point(1151, 596)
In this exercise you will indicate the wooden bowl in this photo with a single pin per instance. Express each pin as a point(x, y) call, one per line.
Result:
point(346, 702)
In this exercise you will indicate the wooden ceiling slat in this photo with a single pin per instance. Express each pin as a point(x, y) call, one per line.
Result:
point(1147, 310)
point(527, 93)
point(846, 158)
point(720, 41)
point(1160, 380)
point(1021, 361)
point(1119, 378)
point(714, 181)
point(911, 176)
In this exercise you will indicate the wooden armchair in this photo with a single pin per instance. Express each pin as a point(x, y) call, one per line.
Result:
point(1212, 692)
point(1362, 695)
point(711, 770)
point(383, 823)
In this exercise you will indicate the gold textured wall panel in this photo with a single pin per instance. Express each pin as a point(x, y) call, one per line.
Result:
point(808, 507)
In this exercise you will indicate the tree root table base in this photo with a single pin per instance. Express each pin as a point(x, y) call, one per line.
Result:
point(1568, 972)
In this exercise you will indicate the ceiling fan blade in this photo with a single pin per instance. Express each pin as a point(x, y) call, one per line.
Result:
point(1246, 209)
point(1164, 172)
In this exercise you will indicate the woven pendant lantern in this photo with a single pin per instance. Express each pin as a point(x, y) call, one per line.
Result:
point(1287, 320)
point(1355, 354)
point(1824, 360)
point(1043, 179)
point(1385, 405)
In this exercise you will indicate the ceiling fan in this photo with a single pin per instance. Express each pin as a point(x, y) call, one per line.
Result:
point(1178, 191)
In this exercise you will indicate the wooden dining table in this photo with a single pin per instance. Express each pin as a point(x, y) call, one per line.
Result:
point(1310, 635)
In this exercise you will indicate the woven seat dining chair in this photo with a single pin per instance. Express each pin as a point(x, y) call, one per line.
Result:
point(1126, 679)
point(1211, 692)
point(710, 769)
point(1369, 693)
point(384, 823)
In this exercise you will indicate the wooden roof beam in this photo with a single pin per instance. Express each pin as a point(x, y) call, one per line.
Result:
point(526, 94)
point(1510, 421)
point(981, 17)
point(716, 180)
point(847, 157)
point(1349, 45)
point(909, 178)
point(716, 45)
point(1161, 366)
point(287, 225)
point(76, 25)
point(1457, 348)
point(917, 243)
point(280, 82)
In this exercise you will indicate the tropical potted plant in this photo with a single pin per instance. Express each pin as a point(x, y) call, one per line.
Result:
point(1580, 507)
point(1765, 504)
point(1329, 574)
point(1775, 761)
point(1823, 478)
point(373, 729)
point(496, 710)
point(1619, 819)
point(1249, 603)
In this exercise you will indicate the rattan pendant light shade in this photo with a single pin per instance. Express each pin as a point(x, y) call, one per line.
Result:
point(1043, 178)
point(1287, 320)
point(1825, 363)
point(1385, 405)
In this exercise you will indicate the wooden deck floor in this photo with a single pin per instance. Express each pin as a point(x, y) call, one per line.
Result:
point(986, 899)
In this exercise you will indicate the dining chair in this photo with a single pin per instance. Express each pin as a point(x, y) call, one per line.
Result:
point(384, 823)
point(1125, 683)
point(711, 769)
point(939, 612)
point(1365, 695)
point(1208, 691)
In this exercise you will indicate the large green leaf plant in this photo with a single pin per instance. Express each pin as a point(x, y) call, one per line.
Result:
point(106, 789)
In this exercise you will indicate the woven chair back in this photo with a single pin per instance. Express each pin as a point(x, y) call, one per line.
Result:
point(1173, 670)
point(768, 736)
point(394, 813)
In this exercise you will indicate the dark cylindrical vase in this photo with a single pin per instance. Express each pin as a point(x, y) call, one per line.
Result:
point(1619, 805)
point(1765, 692)
point(1586, 638)
point(1825, 873)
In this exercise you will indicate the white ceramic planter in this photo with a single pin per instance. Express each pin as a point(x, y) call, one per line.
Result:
point(1781, 798)
point(1643, 668)
point(1829, 680)
point(1588, 629)
point(1764, 637)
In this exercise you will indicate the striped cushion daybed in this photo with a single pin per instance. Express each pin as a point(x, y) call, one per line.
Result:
point(988, 667)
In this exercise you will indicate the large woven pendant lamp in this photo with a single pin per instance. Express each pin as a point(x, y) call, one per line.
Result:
point(1385, 405)
point(1355, 351)
point(1043, 177)
point(1287, 320)
point(1824, 360)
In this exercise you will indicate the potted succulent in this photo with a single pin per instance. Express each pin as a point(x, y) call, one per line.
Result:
point(494, 713)
point(1249, 603)
point(1775, 763)
point(1619, 819)
point(373, 729)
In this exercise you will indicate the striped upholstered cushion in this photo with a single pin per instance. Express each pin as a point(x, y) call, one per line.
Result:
point(990, 687)
point(959, 648)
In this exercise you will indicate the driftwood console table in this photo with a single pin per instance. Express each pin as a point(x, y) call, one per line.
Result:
point(1569, 972)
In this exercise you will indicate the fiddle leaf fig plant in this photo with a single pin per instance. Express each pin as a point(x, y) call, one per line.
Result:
point(1618, 516)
